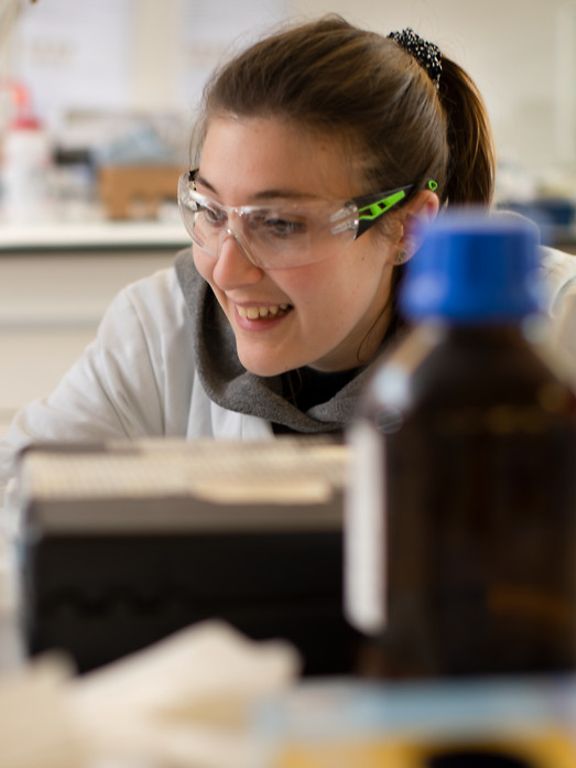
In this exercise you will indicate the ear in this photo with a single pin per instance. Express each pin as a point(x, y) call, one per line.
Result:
point(425, 203)
point(423, 206)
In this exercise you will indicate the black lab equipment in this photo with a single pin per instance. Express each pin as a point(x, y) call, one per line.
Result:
point(122, 544)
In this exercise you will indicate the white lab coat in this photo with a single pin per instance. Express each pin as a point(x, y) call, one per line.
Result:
point(137, 378)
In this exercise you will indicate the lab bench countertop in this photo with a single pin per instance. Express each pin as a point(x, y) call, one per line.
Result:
point(91, 236)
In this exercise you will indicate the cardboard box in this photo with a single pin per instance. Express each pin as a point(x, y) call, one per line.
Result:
point(137, 191)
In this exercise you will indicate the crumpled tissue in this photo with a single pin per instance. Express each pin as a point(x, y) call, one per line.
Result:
point(184, 702)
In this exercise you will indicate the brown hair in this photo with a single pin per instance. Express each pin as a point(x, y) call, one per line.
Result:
point(331, 76)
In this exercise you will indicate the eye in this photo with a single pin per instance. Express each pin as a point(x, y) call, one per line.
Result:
point(277, 225)
point(211, 215)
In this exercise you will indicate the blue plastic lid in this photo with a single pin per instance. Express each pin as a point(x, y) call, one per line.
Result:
point(472, 267)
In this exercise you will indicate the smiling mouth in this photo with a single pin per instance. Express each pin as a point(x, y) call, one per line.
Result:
point(258, 312)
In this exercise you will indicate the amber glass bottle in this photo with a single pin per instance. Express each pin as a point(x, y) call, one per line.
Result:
point(461, 515)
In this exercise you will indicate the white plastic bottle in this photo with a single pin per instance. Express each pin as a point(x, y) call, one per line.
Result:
point(25, 163)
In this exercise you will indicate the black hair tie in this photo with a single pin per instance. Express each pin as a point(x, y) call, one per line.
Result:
point(427, 54)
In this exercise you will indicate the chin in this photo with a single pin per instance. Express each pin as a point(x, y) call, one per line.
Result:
point(264, 367)
point(265, 370)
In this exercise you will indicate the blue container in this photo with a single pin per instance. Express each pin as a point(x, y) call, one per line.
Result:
point(472, 267)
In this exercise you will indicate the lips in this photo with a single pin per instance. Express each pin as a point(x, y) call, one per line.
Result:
point(262, 312)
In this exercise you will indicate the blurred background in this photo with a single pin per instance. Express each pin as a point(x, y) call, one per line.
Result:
point(115, 83)
point(97, 101)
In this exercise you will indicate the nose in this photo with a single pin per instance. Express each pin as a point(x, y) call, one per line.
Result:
point(233, 267)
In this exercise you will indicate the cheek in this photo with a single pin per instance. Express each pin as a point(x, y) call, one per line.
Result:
point(340, 284)
point(355, 292)
point(204, 265)
point(325, 293)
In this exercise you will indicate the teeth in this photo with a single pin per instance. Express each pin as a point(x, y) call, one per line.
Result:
point(256, 312)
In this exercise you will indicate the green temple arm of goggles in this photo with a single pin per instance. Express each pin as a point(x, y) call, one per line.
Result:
point(371, 207)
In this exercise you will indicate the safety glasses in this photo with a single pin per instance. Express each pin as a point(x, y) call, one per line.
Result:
point(283, 233)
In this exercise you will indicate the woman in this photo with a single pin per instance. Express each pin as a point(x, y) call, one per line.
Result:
point(318, 148)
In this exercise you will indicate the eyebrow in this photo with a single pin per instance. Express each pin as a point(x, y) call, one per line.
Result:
point(265, 194)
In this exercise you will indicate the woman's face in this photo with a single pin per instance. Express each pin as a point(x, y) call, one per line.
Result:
point(328, 315)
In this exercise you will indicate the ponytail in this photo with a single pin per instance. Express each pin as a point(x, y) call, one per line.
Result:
point(471, 160)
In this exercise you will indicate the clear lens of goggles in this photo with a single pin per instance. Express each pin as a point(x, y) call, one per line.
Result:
point(282, 235)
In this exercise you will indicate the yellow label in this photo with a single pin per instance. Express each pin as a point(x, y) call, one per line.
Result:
point(545, 750)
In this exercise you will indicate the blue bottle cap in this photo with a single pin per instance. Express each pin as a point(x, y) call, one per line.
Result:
point(473, 267)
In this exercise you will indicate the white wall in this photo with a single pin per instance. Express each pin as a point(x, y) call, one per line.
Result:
point(509, 47)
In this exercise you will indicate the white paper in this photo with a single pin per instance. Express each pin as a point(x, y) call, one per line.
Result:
point(75, 55)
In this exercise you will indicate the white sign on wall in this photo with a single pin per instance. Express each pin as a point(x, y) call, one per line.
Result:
point(130, 54)
point(74, 54)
